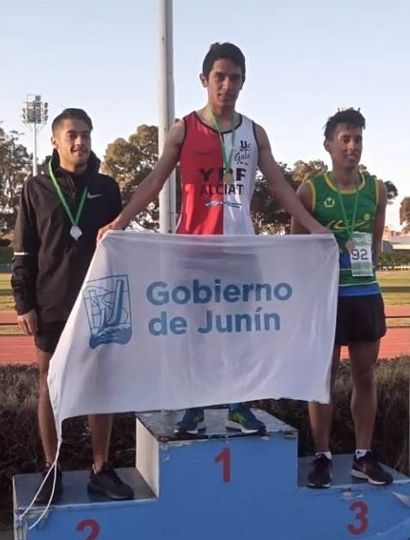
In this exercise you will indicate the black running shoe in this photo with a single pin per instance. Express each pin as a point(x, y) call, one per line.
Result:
point(368, 468)
point(44, 495)
point(320, 475)
point(107, 483)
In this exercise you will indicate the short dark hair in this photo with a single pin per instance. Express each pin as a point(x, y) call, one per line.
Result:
point(350, 116)
point(227, 51)
point(77, 114)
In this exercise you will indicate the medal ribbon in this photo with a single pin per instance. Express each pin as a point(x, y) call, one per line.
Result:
point(226, 160)
point(73, 220)
point(350, 228)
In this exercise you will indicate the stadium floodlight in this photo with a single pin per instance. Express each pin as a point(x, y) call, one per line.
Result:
point(35, 115)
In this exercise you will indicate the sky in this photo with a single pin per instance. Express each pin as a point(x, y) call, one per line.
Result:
point(305, 59)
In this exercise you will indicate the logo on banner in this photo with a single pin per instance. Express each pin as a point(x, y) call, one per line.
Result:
point(108, 305)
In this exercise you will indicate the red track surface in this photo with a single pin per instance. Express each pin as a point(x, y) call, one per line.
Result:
point(21, 350)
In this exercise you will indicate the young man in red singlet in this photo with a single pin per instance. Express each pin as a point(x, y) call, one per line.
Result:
point(219, 151)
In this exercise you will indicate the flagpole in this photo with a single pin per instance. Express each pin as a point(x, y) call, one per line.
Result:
point(166, 112)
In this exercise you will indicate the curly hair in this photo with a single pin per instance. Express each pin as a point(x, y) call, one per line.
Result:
point(352, 117)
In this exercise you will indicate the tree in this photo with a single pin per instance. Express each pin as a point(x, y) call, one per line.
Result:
point(129, 162)
point(391, 188)
point(302, 171)
point(405, 214)
point(391, 191)
point(15, 165)
point(267, 215)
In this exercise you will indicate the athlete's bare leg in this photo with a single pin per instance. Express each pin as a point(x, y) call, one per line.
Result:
point(363, 357)
point(320, 414)
point(46, 422)
point(100, 425)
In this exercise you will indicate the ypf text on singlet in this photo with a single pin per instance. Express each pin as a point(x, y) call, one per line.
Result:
point(209, 188)
point(160, 293)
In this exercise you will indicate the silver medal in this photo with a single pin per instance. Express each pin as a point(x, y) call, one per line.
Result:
point(75, 232)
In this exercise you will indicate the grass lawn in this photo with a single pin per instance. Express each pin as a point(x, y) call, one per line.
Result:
point(395, 286)
point(6, 300)
point(396, 292)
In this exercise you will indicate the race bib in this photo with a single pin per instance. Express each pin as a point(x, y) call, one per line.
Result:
point(361, 254)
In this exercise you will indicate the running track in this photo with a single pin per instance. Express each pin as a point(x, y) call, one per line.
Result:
point(20, 349)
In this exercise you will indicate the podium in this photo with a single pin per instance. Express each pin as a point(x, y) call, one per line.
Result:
point(219, 485)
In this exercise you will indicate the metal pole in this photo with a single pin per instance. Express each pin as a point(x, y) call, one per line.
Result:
point(34, 149)
point(166, 112)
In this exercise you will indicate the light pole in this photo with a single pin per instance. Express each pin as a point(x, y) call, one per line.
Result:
point(166, 112)
point(35, 115)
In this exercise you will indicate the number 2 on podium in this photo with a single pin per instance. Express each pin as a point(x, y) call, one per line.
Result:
point(89, 524)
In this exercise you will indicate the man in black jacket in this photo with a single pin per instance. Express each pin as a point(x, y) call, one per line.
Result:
point(54, 240)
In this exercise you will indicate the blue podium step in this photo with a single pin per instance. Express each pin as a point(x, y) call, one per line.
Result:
point(219, 485)
point(75, 488)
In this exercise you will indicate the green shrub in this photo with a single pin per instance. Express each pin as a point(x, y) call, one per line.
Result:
point(391, 260)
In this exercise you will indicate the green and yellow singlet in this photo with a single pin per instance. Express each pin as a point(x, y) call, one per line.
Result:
point(326, 208)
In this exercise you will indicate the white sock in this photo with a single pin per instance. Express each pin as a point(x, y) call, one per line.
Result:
point(328, 454)
point(360, 452)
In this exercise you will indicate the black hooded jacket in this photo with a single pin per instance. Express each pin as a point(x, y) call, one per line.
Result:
point(49, 266)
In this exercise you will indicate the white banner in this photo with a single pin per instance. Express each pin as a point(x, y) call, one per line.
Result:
point(178, 321)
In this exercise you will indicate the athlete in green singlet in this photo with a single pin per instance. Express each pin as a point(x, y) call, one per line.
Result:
point(352, 205)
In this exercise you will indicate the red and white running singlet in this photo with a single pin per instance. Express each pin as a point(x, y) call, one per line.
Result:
point(208, 205)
